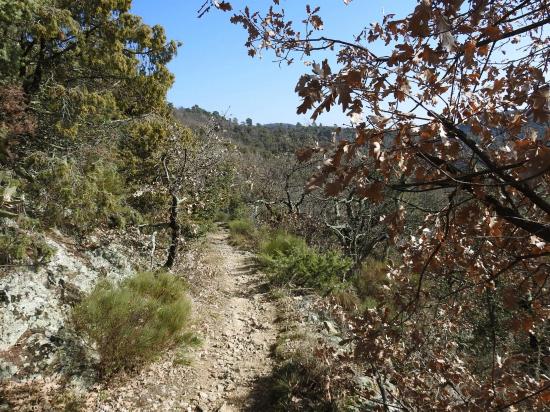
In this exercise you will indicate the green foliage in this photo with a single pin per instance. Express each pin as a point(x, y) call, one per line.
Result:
point(97, 79)
point(146, 142)
point(132, 323)
point(291, 261)
point(235, 208)
point(120, 61)
point(241, 227)
point(80, 197)
point(17, 246)
point(270, 139)
point(245, 234)
point(12, 15)
point(281, 244)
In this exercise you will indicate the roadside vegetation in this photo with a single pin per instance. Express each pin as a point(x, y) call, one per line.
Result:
point(291, 262)
point(245, 234)
point(442, 208)
point(91, 152)
point(422, 232)
point(302, 269)
point(133, 323)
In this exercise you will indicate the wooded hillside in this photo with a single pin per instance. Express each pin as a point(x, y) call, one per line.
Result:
point(407, 253)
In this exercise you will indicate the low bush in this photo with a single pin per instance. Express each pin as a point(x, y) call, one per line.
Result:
point(235, 207)
point(291, 262)
point(17, 247)
point(132, 323)
point(241, 226)
point(244, 234)
point(281, 244)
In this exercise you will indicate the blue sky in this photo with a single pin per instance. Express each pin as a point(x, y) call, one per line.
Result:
point(214, 71)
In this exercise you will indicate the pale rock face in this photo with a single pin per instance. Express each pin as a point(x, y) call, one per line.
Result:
point(35, 303)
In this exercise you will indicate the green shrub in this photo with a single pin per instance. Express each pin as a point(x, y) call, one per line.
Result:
point(13, 246)
point(79, 196)
point(291, 261)
point(17, 246)
point(132, 323)
point(282, 244)
point(241, 227)
point(235, 208)
point(243, 233)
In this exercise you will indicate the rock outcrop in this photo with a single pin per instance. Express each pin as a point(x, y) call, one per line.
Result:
point(35, 304)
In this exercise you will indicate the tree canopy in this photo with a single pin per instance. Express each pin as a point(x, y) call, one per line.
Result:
point(85, 127)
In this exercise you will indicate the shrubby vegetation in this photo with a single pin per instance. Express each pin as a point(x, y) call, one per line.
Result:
point(429, 227)
point(89, 145)
point(87, 138)
point(134, 322)
point(293, 263)
point(21, 247)
point(78, 197)
point(266, 140)
point(244, 233)
point(451, 193)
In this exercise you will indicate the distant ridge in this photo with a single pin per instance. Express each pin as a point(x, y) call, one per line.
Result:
point(271, 138)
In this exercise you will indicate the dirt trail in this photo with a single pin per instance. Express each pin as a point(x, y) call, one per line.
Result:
point(235, 319)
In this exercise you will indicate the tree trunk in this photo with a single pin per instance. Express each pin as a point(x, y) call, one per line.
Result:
point(175, 228)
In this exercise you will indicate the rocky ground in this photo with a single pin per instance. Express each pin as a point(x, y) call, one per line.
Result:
point(235, 319)
point(242, 334)
point(36, 301)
